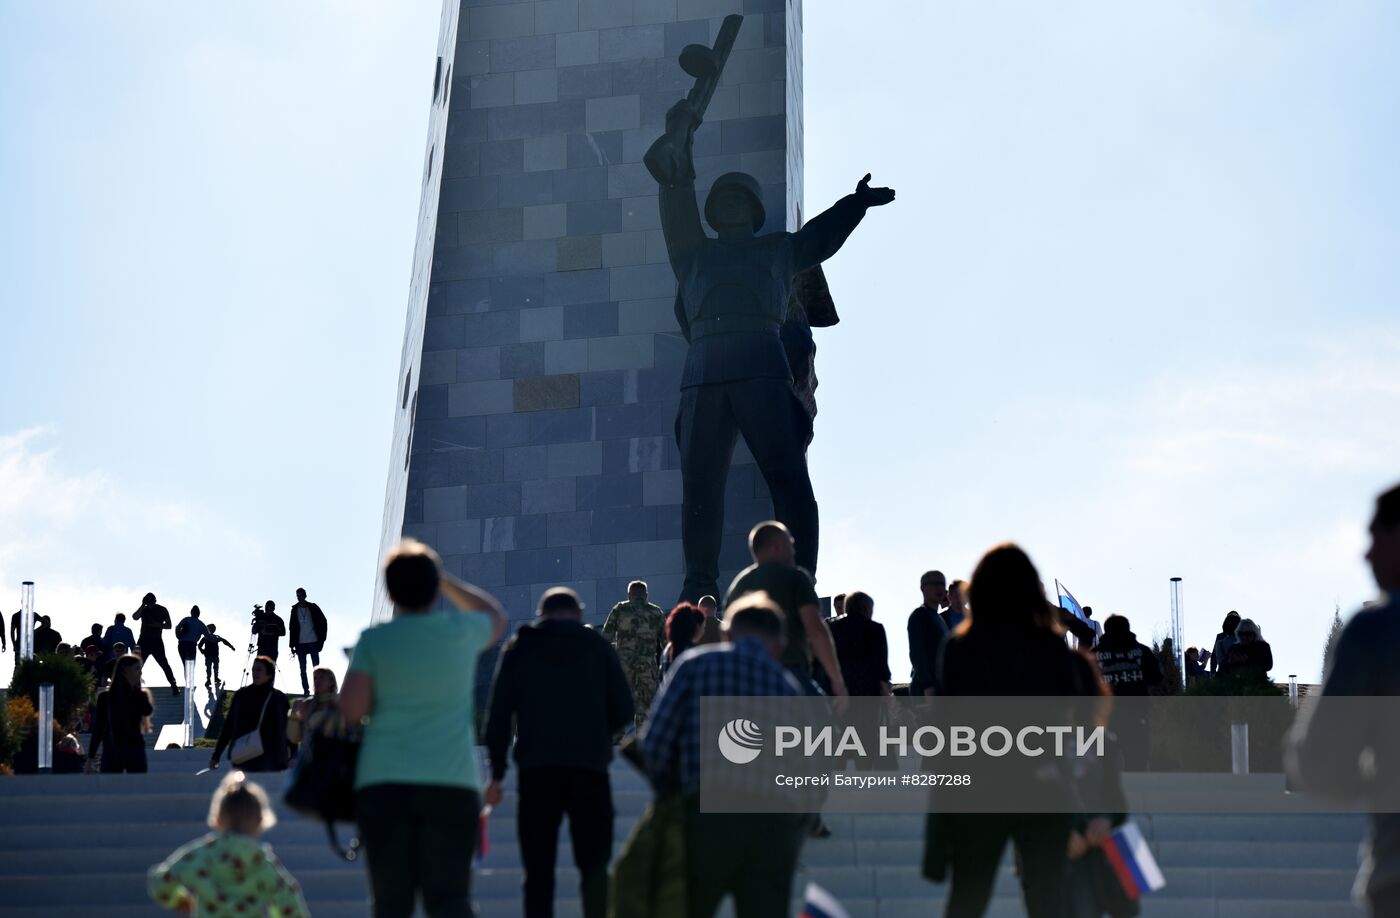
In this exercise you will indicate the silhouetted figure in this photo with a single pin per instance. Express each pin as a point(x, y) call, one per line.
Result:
point(957, 605)
point(1131, 670)
point(927, 629)
point(94, 639)
point(1012, 646)
point(775, 571)
point(189, 633)
point(1195, 670)
point(155, 621)
point(46, 638)
point(684, 628)
point(862, 648)
point(1345, 746)
point(1224, 640)
point(209, 646)
point(560, 689)
point(257, 709)
point(308, 637)
point(1093, 623)
point(733, 299)
point(417, 790)
point(121, 720)
point(1251, 657)
point(710, 606)
point(117, 633)
point(269, 628)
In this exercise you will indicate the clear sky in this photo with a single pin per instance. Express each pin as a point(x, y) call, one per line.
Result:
point(1135, 306)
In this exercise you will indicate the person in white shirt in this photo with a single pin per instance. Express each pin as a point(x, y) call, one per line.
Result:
point(308, 635)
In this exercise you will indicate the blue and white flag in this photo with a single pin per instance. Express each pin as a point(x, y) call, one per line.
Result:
point(1067, 601)
point(821, 904)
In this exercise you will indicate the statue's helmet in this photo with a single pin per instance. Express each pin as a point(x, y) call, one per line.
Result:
point(741, 181)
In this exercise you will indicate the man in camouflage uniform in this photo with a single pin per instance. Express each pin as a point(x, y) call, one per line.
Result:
point(637, 630)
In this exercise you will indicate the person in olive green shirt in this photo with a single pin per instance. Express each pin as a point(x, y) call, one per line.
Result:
point(417, 784)
point(229, 872)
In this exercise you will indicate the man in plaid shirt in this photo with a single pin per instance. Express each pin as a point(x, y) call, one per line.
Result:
point(749, 855)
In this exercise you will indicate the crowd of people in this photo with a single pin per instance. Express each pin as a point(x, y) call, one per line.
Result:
point(564, 694)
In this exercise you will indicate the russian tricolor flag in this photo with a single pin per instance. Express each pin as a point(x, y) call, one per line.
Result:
point(821, 904)
point(1132, 861)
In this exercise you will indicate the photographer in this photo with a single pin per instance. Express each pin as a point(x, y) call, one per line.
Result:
point(269, 628)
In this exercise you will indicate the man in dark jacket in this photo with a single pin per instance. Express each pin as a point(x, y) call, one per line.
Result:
point(92, 640)
point(1354, 720)
point(269, 628)
point(117, 633)
point(46, 638)
point(861, 647)
point(926, 633)
point(308, 636)
point(561, 687)
point(155, 621)
point(1131, 670)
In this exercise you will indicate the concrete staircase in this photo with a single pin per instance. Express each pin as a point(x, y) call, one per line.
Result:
point(80, 845)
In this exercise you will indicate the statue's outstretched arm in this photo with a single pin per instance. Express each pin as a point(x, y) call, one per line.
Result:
point(674, 160)
point(825, 233)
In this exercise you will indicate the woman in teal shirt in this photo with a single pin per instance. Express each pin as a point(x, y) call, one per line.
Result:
point(417, 785)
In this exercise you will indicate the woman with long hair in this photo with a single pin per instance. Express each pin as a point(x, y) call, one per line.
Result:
point(1009, 645)
point(684, 628)
point(1224, 641)
point(257, 709)
point(121, 720)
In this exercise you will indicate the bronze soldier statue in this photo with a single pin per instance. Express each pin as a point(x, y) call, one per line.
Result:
point(733, 299)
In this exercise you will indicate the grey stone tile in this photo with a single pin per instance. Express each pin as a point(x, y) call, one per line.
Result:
point(640, 213)
point(594, 561)
point(587, 184)
point(532, 531)
point(723, 106)
point(451, 298)
point(535, 52)
point(460, 160)
point(577, 286)
point(638, 454)
point(545, 221)
point(595, 217)
point(639, 420)
point(440, 468)
point(668, 523)
point(516, 292)
point(471, 58)
point(444, 333)
point(687, 32)
point(484, 227)
point(569, 460)
point(649, 11)
point(642, 282)
point(504, 430)
point(515, 121)
point(588, 81)
point(475, 364)
point(591, 320)
point(576, 48)
point(671, 350)
point(748, 135)
point(570, 528)
point(507, 21)
point(547, 565)
point(545, 323)
point(604, 14)
point(655, 558)
point(643, 316)
point(571, 425)
point(497, 499)
point(498, 533)
point(630, 180)
point(444, 503)
point(545, 153)
point(469, 125)
point(768, 166)
point(467, 399)
point(562, 117)
point(658, 384)
point(525, 463)
point(533, 86)
point(596, 492)
point(624, 524)
point(492, 90)
point(485, 570)
point(605, 388)
point(438, 368)
point(579, 253)
point(756, 7)
point(553, 16)
point(565, 356)
point(656, 248)
point(631, 43)
point(623, 352)
point(624, 249)
point(613, 113)
point(528, 189)
point(600, 149)
point(547, 495)
point(459, 537)
point(532, 257)
point(471, 193)
point(427, 533)
point(757, 99)
point(450, 433)
point(432, 401)
point(707, 9)
point(661, 487)
point(521, 360)
point(756, 65)
point(541, 393)
point(487, 328)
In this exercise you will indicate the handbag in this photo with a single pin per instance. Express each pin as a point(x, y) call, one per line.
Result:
point(249, 746)
point(323, 783)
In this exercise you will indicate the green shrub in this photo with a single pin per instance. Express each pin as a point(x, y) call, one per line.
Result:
point(72, 688)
